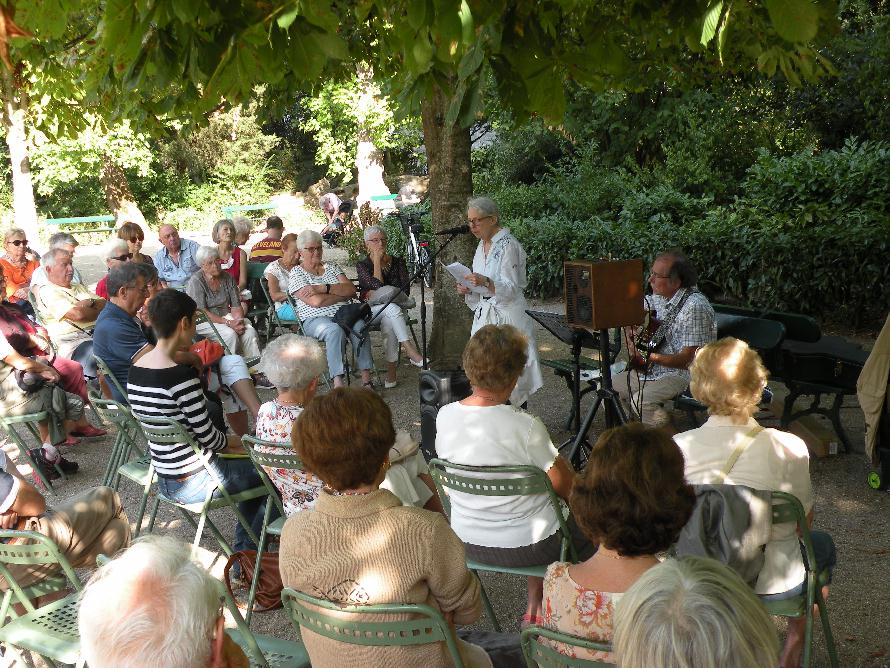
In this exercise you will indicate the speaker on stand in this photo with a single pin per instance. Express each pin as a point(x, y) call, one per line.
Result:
point(438, 388)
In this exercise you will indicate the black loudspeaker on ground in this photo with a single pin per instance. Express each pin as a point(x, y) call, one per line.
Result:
point(438, 388)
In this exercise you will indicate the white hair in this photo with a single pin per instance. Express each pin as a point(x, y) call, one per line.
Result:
point(307, 236)
point(205, 253)
point(242, 224)
point(151, 603)
point(374, 229)
point(693, 613)
point(49, 258)
point(292, 361)
point(484, 205)
point(115, 247)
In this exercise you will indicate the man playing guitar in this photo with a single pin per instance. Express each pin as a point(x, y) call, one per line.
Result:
point(685, 322)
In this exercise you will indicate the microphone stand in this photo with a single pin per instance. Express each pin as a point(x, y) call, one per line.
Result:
point(418, 274)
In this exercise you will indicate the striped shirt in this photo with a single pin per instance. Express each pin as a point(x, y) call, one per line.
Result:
point(174, 392)
point(300, 278)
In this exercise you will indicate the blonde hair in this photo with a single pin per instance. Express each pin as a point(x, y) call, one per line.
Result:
point(693, 613)
point(495, 357)
point(728, 377)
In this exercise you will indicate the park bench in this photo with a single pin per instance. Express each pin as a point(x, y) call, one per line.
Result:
point(232, 209)
point(80, 221)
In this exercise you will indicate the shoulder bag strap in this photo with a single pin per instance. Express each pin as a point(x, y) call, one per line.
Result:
point(739, 449)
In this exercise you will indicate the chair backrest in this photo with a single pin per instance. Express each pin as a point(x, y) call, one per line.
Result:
point(761, 334)
point(418, 624)
point(522, 481)
point(787, 508)
point(106, 371)
point(540, 654)
point(201, 318)
point(39, 550)
point(283, 458)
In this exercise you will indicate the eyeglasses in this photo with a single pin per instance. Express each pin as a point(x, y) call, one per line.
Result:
point(143, 289)
point(377, 240)
point(312, 249)
point(652, 274)
point(18, 242)
point(122, 258)
point(474, 221)
point(133, 240)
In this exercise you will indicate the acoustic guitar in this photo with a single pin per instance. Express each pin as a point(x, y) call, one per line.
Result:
point(646, 342)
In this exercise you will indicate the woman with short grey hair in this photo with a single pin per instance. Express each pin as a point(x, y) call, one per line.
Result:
point(693, 612)
point(320, 289)
point(115, 251)
point(380, 276)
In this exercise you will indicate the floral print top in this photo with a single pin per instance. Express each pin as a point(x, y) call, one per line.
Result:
point(298, 489)
point(578, 611)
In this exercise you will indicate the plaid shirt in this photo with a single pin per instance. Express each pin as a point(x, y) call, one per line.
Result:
point(695, 325)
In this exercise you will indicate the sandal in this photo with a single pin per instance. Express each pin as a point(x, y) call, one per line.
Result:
point(530, 620)
point(369, 386)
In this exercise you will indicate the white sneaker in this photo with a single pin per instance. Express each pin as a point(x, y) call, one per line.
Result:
point(390, 384)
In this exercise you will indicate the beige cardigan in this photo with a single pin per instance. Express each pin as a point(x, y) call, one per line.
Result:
point(370, 549)
point(872, 387)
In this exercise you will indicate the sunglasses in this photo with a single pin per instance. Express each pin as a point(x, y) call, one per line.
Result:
point(18, 242)
point(133, 240)
point(122, 258)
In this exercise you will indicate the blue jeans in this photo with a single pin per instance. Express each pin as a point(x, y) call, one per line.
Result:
point(826, 558)
point(325, 329)
point(237, 475)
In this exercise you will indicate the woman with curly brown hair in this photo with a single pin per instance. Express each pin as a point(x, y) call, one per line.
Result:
point(633, 500)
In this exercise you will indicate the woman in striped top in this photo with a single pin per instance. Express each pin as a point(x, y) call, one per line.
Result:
point(159, 387)
point(320, 289)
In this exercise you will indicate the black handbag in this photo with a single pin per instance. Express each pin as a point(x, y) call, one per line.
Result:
point(349, 314)
point(30, 381)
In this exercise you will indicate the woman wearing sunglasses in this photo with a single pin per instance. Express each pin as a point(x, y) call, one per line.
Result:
point(116, 253)
point(134, 236)
point(18, 264)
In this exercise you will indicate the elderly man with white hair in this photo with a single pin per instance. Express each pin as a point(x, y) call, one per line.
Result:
point(119, 621)
point(65, 242)
point(320, 289)
point(217, 296)
point(115, 251)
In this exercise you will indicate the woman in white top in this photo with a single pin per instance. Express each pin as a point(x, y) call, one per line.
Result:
point(728, 377)
point(320, 289)
point(277, 275)
point(482, 431)
point(499, 268)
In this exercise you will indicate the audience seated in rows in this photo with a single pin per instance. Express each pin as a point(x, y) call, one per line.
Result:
point(158, 386)
point(482, 430)
point(115, 251)
point(18, 263)
point(268, 249)
point(632, 500)
point(277, 275)
point(69, 310)
point(294, 363)
point(360, 545)
point(175, 260)
point(63, 241)
point(320, 289)
point(90, 524)
point(728, 377)
point(693, 613)
point(380, 276)
point(135, 237)
point(153, 604)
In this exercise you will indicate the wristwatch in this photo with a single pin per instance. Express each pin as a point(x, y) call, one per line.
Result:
point(327, 288)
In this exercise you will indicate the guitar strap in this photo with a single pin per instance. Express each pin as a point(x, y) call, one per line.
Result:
point(669, 318)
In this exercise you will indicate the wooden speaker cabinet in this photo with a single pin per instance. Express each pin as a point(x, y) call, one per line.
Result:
point(603, 295)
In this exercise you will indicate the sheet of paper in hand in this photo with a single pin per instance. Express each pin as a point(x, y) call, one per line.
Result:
point(459, 270)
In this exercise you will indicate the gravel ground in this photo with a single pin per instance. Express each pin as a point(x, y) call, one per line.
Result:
point(857, 517)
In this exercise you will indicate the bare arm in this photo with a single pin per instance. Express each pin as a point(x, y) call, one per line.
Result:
point(275, 291)
point(680, 360)
point(86, 310)
point(242, 270)
point(317, 295)
point(561, 477)
point(28, 502)
point(22, 363)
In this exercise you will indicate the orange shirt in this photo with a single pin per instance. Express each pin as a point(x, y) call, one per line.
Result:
point(17, 276)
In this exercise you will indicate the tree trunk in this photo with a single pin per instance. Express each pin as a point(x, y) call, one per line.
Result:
point(15, 110)
point(118, 195)
point(451, 185)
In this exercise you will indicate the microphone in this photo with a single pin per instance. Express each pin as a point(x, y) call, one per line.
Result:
point(460, 229)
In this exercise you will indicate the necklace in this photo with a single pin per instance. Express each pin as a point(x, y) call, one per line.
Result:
point(337, 492)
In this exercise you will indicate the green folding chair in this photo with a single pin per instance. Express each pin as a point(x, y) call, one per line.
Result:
point(259, 304)
point(29, 420)
point(539, 653)
point(283, 458)
point(50, 630)
point(275, 320)
point(524, 480)
point(201, 318)
point(163, 430)
point(105, 370)
point(420, 624)
point(787, 508)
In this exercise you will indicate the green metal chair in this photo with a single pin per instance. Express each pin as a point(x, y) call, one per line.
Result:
point(285, 459)
point(258, 313)
point(29, 420)
point(541, 654)
point(201, 318)
point(105, 370)
point(50, 630)
point(420, 625)
point(525, 480)
point(163, 430)
point(787, 508)
point(274, 320)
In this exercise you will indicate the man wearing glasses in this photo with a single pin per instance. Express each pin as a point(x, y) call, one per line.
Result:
point(62, 241)
point(687, 323)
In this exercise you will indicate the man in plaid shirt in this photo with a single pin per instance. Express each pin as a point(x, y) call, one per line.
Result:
point(673, 280)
